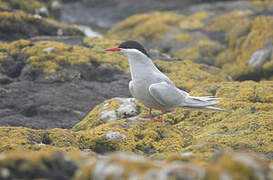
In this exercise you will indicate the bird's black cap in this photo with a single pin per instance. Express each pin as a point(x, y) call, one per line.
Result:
point(133, 45)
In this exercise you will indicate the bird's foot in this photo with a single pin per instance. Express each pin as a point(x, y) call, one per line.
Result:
point(161, 116)
point(149, 116)
point(158, 119)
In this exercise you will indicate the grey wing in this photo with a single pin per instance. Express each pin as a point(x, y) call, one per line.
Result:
point(164, 78)
point(131, 88)
point(166, 95)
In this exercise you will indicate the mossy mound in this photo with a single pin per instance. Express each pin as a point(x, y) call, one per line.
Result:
point(202, 133)
point(245, 39)
point(51, 56)
point(18, 24)
point(26, 139)
point(145, 27)
point(39, 165)
point(45, 8)
point(187, 74)
point(121, 165)
point(224, 22)
point(204, 51)
point(194, 21)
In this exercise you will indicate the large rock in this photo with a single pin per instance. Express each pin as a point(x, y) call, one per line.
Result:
point(218, 35)
point(18, 24)
point(200, 132)
point(49, 84)
point(81, 166)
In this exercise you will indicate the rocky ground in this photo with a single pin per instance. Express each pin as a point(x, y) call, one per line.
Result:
point(65, 108)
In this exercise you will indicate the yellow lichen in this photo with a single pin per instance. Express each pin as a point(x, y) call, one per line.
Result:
point(223, 22)
point(145, 26)
point(194, 21)
point(244, 39)
point(203, 48)
point(184, 37)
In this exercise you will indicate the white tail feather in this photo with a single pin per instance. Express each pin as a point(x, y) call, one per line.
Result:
point(205, 102)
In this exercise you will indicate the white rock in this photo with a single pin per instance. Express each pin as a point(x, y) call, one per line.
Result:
point(128, 107)
point(56, 5)
point(259, 57)
point(113, 135)
point(49, 49)
point(89, 32)
point(107, 116)
point(60, 32)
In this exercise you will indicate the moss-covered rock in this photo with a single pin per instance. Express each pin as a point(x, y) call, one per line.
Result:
point(224, 22)
point(26, 139)
point(204, 52)
point(202, 133)
point(244, 39)
point(18, 24)
point(121, 165)
point(39, 165)
point(145, 27)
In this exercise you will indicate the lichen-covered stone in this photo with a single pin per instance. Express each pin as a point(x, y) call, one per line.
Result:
point(145, 27)
point(26, 139)
point(225, 21)
point(18, 24)
point(204, 52)
point(38, 165)
point(203, 133)
point(244, 39)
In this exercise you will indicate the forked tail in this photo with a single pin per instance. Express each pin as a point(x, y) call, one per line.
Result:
point(205, 102)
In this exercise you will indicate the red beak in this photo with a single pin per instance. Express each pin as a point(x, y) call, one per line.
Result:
point(113, 49)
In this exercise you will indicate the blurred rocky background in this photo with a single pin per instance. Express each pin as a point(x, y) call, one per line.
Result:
point(65, 108)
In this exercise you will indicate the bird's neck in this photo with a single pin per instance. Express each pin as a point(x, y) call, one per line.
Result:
point(141, 67)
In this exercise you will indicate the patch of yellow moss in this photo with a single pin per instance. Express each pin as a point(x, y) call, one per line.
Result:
point(50, 55)
point(245, 38)
point(184, 37)
point(248, 127)
point(19, 24)
point(148, 26)
point(109, 59)
point(187, 74)
point(93, 119)
point(225, 21)
point(26, 139)
point(26, 5)
point(260, 4)
point(194, 21)
point(202, 49)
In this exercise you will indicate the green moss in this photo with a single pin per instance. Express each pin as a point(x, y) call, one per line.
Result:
point(223, 22)
point(145, 26)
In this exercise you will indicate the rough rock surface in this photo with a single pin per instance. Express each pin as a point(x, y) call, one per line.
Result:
point(83, 166)
point(56, 81)
point(39, 90)
point(223, 34)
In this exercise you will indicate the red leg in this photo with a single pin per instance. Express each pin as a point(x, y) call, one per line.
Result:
point(161, 116)
point(150, 114)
